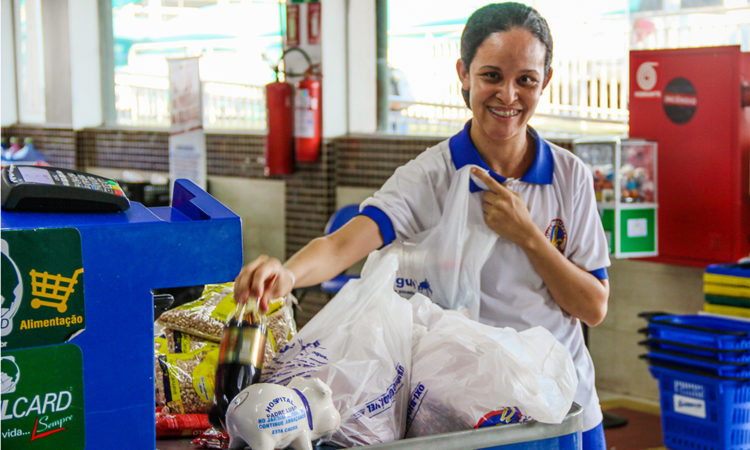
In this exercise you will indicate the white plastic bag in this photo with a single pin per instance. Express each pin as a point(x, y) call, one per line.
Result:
point(359, 344)
point(444, 262)
point(465, 373)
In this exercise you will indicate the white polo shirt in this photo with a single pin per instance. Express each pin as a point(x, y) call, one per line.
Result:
point(558, 190)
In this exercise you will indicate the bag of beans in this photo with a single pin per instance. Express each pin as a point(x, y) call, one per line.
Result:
point(184, 382)
point(206, 317)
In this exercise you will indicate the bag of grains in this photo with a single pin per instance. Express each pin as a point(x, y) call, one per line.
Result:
point(184, 382)
point(206, 317)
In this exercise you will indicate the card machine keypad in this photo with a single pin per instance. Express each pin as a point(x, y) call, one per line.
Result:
point(36, 188)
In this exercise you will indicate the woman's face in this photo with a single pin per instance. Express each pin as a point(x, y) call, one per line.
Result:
point(505, 81)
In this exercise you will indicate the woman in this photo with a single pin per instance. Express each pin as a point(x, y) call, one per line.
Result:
point(548, 266)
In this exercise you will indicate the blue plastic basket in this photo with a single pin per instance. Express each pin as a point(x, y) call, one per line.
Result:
point(725, 355)
point(709, 366)
point(702, 412)
point(705, 331)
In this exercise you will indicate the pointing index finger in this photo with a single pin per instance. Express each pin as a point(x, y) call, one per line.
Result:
point(484, 176)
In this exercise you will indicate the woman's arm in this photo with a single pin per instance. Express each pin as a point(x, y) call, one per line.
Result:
point(577, 292)
point(321, 259)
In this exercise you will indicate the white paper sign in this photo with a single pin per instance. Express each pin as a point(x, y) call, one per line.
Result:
point(187, 140)
point(187, 157)
point(637, 228)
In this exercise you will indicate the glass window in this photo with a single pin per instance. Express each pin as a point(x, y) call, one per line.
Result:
point(29, 61)
point(588, 92)
point(238, 42)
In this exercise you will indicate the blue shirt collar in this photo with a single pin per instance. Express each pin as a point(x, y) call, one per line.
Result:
point(464, 152)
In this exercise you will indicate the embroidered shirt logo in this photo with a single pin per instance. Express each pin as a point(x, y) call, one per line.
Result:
point(557, 235)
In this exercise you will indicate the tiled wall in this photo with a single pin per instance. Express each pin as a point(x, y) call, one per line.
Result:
point(58, 144)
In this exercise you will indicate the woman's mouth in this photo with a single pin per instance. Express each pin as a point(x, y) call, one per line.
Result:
point(504, 112)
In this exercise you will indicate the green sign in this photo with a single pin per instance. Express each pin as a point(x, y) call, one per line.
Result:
point(42, 398)
point(42, 287)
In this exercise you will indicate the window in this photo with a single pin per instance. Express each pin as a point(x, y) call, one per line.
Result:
point(589, 88)
point(29, 61)
point(237, 41)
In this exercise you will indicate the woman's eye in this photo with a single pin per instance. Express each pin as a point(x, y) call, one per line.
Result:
point(490, 75)
point(527, 80)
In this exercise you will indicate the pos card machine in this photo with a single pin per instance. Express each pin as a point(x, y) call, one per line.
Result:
point(54, 189)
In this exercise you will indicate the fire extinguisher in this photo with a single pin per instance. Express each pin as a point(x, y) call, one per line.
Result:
point(307, 118)
point(292, 124)
point(279, 140)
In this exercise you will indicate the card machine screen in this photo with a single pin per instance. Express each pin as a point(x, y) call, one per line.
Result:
point(35, 175)
point(52, 189)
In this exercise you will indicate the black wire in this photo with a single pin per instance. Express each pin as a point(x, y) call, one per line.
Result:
point(294, 74)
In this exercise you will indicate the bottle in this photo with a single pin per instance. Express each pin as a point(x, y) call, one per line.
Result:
point(240, 358)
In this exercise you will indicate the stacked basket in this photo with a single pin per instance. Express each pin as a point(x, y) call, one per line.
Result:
point(702, 364)
point(727, 289)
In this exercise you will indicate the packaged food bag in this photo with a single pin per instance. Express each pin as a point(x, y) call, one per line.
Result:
point(206, 317)
point(359, 344)
point(184, 382)
point(180, 425)
point(466, 374)
point(444, 262)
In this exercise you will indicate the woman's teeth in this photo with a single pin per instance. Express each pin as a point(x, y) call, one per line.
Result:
point(505, 112)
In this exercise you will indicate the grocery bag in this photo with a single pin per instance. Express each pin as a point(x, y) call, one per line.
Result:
point(359, 344)
point(466, 374)
point(444, 262)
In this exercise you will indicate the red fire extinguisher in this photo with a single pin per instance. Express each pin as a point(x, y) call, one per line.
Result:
point(294, 125)
point(307, 118)
point(280, 139)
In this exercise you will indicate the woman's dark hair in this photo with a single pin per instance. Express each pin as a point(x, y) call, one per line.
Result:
point(497, 17)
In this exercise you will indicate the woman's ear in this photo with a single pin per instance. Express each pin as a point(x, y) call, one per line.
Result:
point(549, 77)
point(463, 74)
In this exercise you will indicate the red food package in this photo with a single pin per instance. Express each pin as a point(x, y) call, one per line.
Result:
point(212, 438)
point(176, 425)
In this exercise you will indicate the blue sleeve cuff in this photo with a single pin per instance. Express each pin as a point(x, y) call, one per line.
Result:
point(383, 222)
point(600, 273)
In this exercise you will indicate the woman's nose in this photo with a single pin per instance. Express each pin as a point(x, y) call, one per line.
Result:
point(506, 92)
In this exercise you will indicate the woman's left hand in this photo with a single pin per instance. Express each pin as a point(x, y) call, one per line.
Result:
point(577, 292)
point(505, 212)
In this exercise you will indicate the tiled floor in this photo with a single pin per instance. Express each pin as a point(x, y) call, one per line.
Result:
point(643, 430)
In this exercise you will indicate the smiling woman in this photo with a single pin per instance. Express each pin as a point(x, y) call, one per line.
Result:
point(547, 265)
point(503, 85)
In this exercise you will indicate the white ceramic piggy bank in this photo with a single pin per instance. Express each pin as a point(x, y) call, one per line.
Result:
point(268, 416)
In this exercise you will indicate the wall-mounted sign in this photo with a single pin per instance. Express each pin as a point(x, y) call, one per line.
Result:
point(313, 24)
point(187, 140)
point(680, 100)
point(42, 287)
point(292, 25)
point(42, 398)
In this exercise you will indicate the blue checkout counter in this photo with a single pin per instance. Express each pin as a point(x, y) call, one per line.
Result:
point(83, 375)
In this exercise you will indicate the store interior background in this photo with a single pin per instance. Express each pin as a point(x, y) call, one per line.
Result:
point(73, 122)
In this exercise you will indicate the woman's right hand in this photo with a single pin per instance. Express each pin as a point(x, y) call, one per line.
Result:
point(264, 279)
